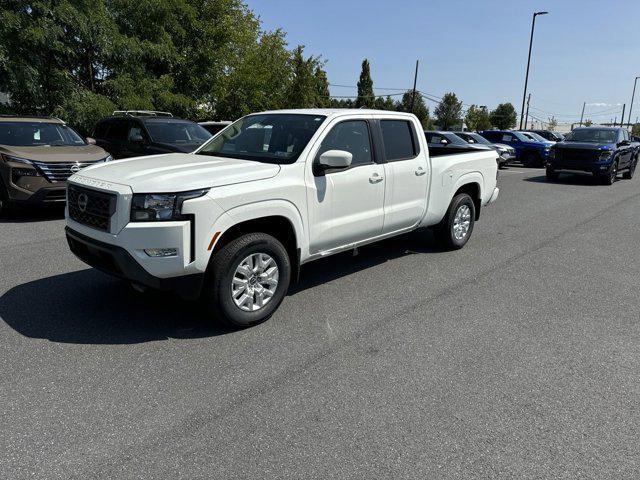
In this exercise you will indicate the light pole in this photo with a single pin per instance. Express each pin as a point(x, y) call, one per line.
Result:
point(631, 104)
point(526, 78)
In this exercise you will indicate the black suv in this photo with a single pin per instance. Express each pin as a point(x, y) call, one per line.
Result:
point(137, 133)
point(601, 151)
point(548, 135)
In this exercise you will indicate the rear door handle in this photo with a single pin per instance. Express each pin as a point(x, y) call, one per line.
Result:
point(375, 178)
point(420, 171)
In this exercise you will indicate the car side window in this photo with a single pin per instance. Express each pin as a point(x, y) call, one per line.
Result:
point(118, 130)
point(351, 136)
point(135, 131)
point(398, 140)
point(507, 138)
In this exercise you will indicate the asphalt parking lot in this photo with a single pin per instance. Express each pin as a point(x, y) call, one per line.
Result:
point(516, 357)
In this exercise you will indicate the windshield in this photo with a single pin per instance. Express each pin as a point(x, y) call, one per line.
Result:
point(34, 134)
point(270, 137)
point(536, 137)
point(177, 133)
point(590, 135)
point(475, 138)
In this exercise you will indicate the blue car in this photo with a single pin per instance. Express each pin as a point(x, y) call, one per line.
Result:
point(530, 152)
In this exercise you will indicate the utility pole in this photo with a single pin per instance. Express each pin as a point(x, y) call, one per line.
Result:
point(631, 104)
point(622, 117)
point(584, 104)
point(526, 77)
point(526, 120)
point(415, 80)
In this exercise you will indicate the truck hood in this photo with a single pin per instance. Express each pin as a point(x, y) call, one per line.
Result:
point(586, 146)
point(80, 153)
point(179, 172)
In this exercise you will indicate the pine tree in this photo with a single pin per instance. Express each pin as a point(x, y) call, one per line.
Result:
point(365, 97)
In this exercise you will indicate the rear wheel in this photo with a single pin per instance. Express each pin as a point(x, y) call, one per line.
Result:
point(454, 231)
point(628, 175)
point(247, 280)
point(610, 177)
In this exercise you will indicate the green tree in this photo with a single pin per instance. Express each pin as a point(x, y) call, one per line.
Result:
point(587, 123)
point(477, 118)
point(449, 111)
point(635, 130)
point(503, 116)
point(365, 98)
point(553, 124)
point(323, 96)
point(420, 110)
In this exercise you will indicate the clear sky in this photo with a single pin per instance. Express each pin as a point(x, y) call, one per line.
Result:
point(583, 51)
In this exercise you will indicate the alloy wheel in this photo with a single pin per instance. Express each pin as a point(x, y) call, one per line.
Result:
point(254, 282)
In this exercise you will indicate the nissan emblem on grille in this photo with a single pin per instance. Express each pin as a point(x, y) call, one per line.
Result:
point(83, 200)
point(75, 168)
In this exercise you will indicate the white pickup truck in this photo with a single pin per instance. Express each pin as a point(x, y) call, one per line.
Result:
point(232, 222)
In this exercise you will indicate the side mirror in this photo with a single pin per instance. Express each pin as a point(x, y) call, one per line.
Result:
point(334, 159)
point(137, 138)
point(90, 141)
point(624, 143)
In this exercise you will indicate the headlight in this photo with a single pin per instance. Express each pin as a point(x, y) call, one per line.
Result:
point(605, 155)
point(158, 207)
point(108, 159)
point(11, 158)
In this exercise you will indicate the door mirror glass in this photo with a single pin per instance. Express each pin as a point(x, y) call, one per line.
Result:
point(335, 159)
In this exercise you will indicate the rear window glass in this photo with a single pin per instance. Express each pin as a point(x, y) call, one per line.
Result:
point(397, 136)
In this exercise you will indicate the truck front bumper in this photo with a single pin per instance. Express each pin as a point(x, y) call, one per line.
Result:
point(117, 261)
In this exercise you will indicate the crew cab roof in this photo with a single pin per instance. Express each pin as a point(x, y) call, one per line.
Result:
point(331, 112)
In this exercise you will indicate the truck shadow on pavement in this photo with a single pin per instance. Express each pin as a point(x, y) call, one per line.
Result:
point(30, 214)
point(566, 179)
point(89, 307)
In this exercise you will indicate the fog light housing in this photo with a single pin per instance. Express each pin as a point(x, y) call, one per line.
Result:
point(161, 252)
point(17, 173)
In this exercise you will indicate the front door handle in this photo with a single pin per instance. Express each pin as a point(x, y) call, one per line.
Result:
point(375, 178)
point(420, 171)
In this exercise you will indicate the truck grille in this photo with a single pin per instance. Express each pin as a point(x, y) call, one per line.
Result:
point(90, 207)
point(577, 154)
point(59, 172)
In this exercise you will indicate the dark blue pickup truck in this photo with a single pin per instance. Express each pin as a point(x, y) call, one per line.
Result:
point(601, 151)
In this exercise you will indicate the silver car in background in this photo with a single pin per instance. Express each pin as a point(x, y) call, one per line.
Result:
point(507, 153)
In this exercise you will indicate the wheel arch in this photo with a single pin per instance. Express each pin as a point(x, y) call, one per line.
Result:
point(279, 219)
point(471, 185)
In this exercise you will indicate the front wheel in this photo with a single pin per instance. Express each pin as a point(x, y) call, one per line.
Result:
point(610, 177)
point(531, 159)
point(247, 280)
point(5, 204)
point(551, 174)
point(455, 229)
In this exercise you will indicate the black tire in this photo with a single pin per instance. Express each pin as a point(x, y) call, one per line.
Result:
point(551, 174)
point(532, 159)
point(444, 231)
point(628, 175)
point(217, 292)
point(5, 204)
point(610, 177)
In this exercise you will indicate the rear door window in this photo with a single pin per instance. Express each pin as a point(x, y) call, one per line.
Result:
point(399, 140)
